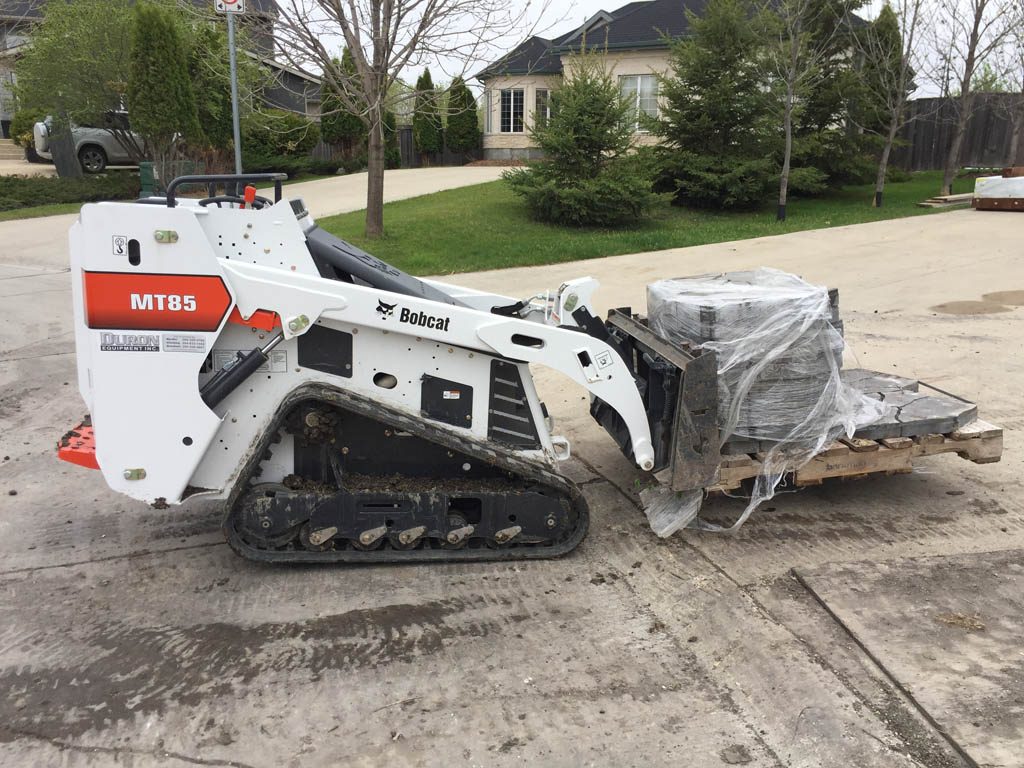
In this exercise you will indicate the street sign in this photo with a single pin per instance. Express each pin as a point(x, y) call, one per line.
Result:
point(229, 6)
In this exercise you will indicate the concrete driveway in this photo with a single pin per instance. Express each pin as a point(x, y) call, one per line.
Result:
point(327, 197)
point(25, 168)
point(858, 624)
point(44, 241)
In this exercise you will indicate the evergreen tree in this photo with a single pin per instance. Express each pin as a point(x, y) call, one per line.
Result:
point(588, 176)
point(160, 99)
point(211, 77)
point(878, 76)
point(714, 117)
point(988, 80)
point(338, 124)
point(825, 138)
point(426, 118)
point(463, 133)
point(887, 80)
point(211, 88)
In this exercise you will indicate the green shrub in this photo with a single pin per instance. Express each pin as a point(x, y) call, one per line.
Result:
point(24, 191)
point(711, 181)
point(323, 167)
point(22, 123)
point(293, 166)
point(619, 195)
point(894, 175)
point(254, 162)
point(275, 132)
point(807, 181)
point(844, 159)
point(356, 164)
point(588, 177)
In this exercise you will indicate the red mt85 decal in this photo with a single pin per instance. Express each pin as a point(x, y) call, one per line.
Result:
point(155, 302)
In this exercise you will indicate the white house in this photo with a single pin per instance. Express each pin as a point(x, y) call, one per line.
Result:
point(635, 39)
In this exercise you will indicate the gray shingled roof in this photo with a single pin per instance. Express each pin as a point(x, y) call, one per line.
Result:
point(646, 24)
point(639, 24)
point(535, 55)
point(628, 8)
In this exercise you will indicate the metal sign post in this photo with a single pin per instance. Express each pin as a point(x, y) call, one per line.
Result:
point(232, 8)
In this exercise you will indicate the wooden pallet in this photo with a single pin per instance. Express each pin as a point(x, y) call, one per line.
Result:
point(998, 203)
point(979, 442)
point(947, 201)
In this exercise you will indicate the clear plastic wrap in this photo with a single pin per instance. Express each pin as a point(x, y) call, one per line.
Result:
point(779, 357)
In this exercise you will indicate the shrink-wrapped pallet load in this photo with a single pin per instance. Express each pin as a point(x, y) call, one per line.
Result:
point(779, 356)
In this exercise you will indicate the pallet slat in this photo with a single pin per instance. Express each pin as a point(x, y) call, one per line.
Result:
point(979, 442)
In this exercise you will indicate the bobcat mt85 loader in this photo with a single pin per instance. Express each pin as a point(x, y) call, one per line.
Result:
point(345, 411)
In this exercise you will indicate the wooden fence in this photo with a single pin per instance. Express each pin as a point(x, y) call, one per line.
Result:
point(927, 138)
point(410, 157)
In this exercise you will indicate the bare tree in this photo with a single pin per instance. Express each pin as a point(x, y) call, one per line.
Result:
point(890, 53)
point(1013, 69)
point(387, 37)
point(968, 34)
point(794, 57)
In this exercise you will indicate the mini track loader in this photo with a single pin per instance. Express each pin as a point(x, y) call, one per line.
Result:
point(345, 411)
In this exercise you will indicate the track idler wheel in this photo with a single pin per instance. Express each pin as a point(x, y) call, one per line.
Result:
point(458, 534)
point(319, 540)
point(505, 536)
point(409, 538)
point(371, 539)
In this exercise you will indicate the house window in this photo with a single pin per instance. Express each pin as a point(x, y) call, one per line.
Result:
point(512, 110)
point(541, 107)
point(488, 119)
point(641, 92)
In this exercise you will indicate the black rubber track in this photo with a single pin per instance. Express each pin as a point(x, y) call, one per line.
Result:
point(535, 472)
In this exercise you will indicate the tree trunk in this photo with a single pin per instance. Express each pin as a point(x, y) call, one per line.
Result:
point(1013, 155)
point(966, 103)
point(375, 175)
point(883, 161)
point(787, 127)
point(62, 148)
point(953, 158)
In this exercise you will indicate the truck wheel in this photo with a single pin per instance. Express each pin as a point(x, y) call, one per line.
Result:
point(93, 159)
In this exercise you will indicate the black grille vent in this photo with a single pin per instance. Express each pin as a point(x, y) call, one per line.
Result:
point(510, 419)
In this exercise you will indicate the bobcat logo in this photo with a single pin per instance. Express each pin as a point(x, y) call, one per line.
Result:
point(385, 310)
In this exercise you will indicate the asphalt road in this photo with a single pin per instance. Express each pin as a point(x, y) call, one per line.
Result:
point(842, 626)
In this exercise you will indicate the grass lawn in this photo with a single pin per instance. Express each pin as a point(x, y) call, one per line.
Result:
point(486, 227)
point(35, 211)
